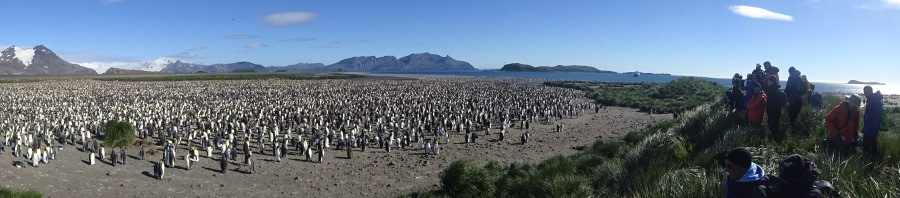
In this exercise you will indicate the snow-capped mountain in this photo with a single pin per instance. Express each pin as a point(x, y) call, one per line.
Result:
point(158, 64)
point(39, 60)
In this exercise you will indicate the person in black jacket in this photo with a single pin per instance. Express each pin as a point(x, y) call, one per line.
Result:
point(776, 101)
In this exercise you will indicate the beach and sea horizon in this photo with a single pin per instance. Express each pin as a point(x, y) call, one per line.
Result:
point(822, 87)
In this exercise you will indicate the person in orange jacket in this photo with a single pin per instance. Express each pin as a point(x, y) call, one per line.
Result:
point(843, 122)
point(756, 108)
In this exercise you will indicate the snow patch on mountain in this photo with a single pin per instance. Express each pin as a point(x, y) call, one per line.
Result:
point(24, 54)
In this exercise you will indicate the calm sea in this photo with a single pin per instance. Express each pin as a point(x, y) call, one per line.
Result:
point(823, 87)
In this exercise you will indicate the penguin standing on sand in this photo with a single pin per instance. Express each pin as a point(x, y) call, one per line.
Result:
point(321, 151)
point(223, 162)
point(248, 159)
point(92, 158)
point(141, 152)
point(113, 157)
point(187, 161)
point(308, 153)
point(524, 138)
point(35, 158)
point(123, 156)
point(277, 152)
point(160, 170)
point(102, 153)
point(349, 152)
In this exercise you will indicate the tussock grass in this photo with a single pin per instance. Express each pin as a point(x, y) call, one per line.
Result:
point(10, 193)
point(680, 158)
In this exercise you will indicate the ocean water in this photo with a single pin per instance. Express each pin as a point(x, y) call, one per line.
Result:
point(822, 87)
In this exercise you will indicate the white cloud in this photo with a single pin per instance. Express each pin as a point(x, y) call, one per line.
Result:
point(112, 2)
point(255, 46)
point(282, 19)
point(240, 36)
point(101, 67)
point(894, 4)
point(759, 13)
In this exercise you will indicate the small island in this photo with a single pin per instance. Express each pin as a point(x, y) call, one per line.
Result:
point(519, 67)
point(856, 82)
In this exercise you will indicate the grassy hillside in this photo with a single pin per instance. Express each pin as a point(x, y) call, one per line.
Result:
point(678, 95)
point(9, 193)
point(679, 159)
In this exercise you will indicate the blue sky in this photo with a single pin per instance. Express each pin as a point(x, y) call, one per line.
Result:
point(826, 40)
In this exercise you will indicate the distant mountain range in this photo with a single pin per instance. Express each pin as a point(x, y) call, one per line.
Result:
point(519, 67)
point(42, 61)
point(856, 82)
point(37, 61)
point(420, 61)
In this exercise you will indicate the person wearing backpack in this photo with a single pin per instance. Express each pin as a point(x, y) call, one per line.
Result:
point(775, 103)
point(815, 98)
point(798, 177)
point(745, 178)
point(843, 123)
point(795, 91)
point(872, 120)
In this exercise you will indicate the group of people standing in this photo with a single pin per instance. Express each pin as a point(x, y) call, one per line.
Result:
point(798, 177)
point(762, 96)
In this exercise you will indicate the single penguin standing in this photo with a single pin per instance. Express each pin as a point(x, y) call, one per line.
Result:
point(223, 163)
point(92, 158)
point(250, 166)
point(162, 169)
point(113, 157)
point(141, 153)
point(321, 152)
point(123, 157)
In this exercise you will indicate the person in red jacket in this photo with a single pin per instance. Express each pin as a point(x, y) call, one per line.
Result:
point(756, 108)
point(843, 123)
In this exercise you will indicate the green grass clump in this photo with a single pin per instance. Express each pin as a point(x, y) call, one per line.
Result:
point(118, 134)
point(675, 96)
point(464, 179)
point(10, 193)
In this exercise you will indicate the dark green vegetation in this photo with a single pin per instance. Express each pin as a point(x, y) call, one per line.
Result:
point(675, 96)
point(118, 134)
point(9, 193)
point(678, 158)
point(519, 67)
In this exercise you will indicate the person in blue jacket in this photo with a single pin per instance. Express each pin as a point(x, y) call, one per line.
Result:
point(794, 90)
point(815, 98)
point(872, 120)
point(745, 178)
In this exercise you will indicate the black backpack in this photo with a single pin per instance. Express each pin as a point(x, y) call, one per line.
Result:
point(798, 177)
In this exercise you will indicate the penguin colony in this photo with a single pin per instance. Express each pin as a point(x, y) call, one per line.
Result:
point(273, 118)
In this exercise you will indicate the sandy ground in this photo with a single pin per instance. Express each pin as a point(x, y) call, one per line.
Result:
point(374, 173)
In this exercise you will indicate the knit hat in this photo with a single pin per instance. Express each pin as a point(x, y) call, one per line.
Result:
point(740, 156)
point(854, 100)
